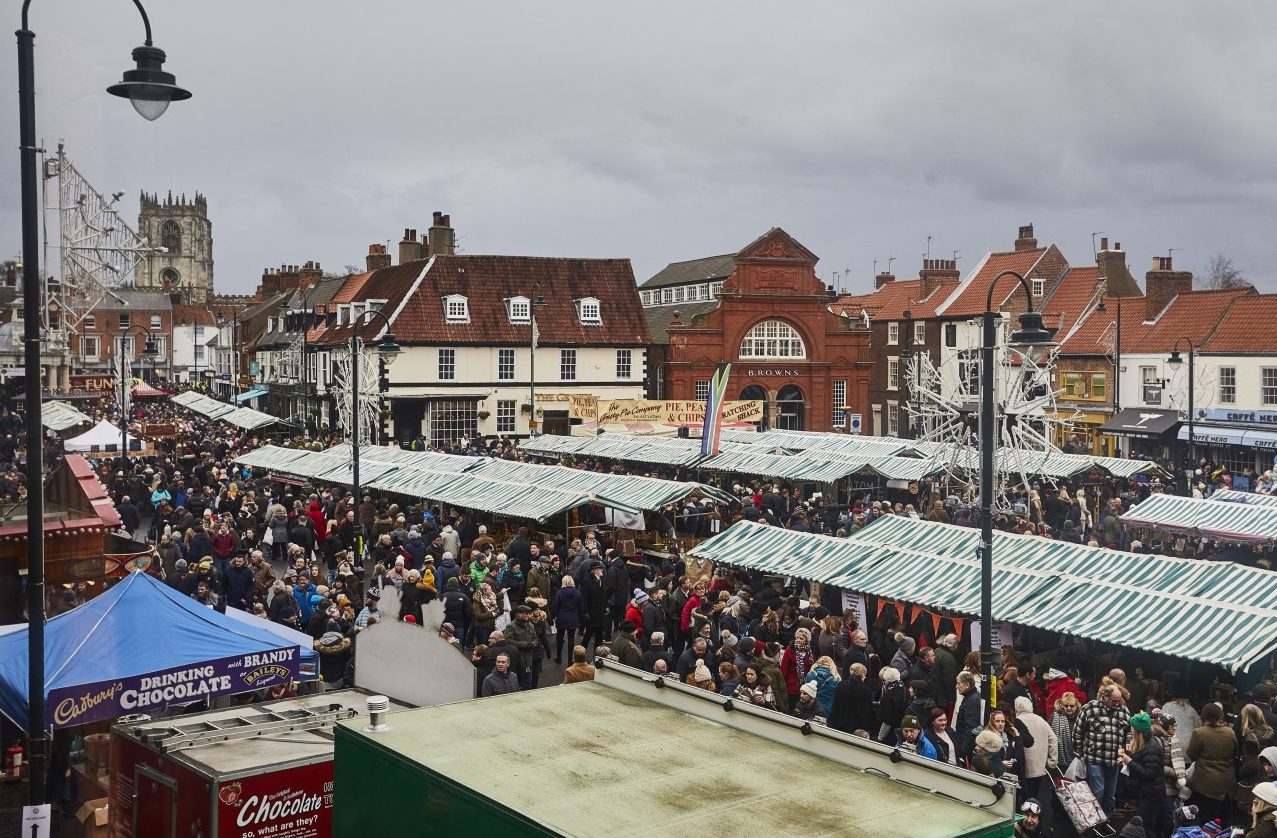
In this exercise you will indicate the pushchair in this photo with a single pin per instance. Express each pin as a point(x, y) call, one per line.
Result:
point(1081, 806)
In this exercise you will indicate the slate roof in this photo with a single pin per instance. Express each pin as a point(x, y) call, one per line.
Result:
point(1247, 327)
point(969, 300)
point(659, 317)
point(893, 299)
point(416, 290)
point(708, 269)
point(1193, 315)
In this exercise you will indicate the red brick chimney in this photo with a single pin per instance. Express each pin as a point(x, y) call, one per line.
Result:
point(1162, 284)
point(883, 278)
point(309, 274)
point(270, 283)
point(288, 278)
point(410, 247)
point(933, 273)
point(1026, 240)
point(378, 257)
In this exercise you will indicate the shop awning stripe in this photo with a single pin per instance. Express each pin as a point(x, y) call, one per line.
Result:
point(60, 416)
point(1054, 599)
point(1249, 498)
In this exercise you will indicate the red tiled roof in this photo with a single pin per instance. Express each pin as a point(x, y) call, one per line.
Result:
point(973, 294)
point(487, 282)
point(893, 299)
point(1070, 298)
point(1246, 327)
point(183, 314)
point(1192, 315)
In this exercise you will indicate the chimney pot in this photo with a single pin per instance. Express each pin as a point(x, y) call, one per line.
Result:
point(1117, 245)
point(1104, 243)
point(438, 218)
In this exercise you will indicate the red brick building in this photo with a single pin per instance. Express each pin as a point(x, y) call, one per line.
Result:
point(771, 319)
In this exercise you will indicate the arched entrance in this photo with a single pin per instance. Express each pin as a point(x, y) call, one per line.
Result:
point(755, 393)
point(789, 415)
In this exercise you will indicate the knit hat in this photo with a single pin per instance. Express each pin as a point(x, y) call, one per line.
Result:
point(702, 675)
point(448, 627)
point(907, 722)
point(809, 689)
point(330, 638)
point(1135, 827)
point(639, 596)
point(180, 565)
point(452, 582)
point(1142, 722)
point(1266, 792)
point(1270, 754)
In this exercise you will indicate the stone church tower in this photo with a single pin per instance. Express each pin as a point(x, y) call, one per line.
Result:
point(183, 229)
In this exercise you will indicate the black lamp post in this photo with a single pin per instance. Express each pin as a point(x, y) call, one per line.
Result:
point(149, 350)
point(389, 350)
point(535, 303)
point(1031, 336)
point(1176, 360)
point(150, 89)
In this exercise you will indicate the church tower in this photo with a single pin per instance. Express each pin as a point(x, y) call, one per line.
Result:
point(182, 228)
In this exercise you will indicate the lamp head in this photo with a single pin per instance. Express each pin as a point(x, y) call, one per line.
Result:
point(148, 87)
point(1033, 338)
point(389, 350)
point(150, 350)
point(1175, 358)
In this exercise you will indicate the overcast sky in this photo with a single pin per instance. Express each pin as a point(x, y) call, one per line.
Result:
point(664, 131)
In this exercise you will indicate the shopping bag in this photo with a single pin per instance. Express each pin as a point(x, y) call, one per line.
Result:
point(1076, 770)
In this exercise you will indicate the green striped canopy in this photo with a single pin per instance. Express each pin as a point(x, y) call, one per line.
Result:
point(626, 491)
point(60, 416)
point(1061, 598)
point(1220, 519)
point(1252, 498)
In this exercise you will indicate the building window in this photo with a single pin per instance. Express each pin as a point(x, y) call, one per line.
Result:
point(680, 294)
point(505, 365)
point(124, 320)
point(893, 373)
point(624, 363)
point(90, 321)
point(590, 311)
point(1099, 386)
point(171, 238)
point(773, 339)
point(969, 374)
point(1072, 384)
point(1268, 381)
point(702, 389)
point(447, 364)
point(505, 417)
point(520, 309)
point(893, 334)
point(919, 332)
point(160, 346)
point(156, 322)
point(715, 288)
point(450, 421)
point(89, 347)
point(1039, 288)
point(893, 418)
point(1152, 385)
point(567, 364)
point(1228, 385)
point(951, 335)
point(456, 309)
point(667, 295)
point(840, 403)
point(199, 352)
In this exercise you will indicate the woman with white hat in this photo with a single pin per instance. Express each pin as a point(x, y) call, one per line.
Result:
point(1263, 812)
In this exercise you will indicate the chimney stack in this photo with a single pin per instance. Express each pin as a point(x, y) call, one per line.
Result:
point(1026, 240)
point(309, 275)
point(289, 278)
point(441, 239)
point(882, 279)
point(410, 247)
point(1162, 284)
point(933, 273)
point(270, 283)
point(378, 257)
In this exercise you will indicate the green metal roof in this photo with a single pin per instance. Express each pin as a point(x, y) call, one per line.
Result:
point(628, 490)
point(1221, 519)
point(1058, 591)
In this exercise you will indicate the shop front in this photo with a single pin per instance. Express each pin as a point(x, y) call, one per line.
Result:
point(1142, 430)
point(1236, 439)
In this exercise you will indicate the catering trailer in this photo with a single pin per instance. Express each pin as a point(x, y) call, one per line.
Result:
point(248, 771)
point(636, 754)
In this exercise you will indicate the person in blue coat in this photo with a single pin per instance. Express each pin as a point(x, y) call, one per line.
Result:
point(825, 674)
point(911, 739)
point(302, 592)
point(568, 612)
point(238, 585)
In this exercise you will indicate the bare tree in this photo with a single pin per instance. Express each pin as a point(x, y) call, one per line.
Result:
point(1222, 274)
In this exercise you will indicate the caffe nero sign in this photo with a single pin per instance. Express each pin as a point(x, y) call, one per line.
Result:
point(179, 685)
point(1250, 417)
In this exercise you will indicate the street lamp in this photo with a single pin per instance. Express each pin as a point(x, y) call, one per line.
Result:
point(150, 90)
point(1176, 360)
point(1032, 337)
point(537, 302)
point(149, 350)
point(388, 350)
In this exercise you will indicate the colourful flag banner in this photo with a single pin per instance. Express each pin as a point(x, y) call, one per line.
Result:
point(714, 411)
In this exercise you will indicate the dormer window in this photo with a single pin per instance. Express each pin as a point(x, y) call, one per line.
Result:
point(589, 310)
point(520, 309)
point(343, 314)
point(456, 309)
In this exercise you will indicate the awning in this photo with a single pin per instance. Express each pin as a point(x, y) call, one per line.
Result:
point(1205, 434)
point(1227, 520)
point(1069, 596)
point(1141, 421)
point(249, 395)
point(61, 416)
point(142, 390)
point(1266, 440)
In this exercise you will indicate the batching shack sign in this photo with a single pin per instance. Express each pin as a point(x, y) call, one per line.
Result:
point(180, 685)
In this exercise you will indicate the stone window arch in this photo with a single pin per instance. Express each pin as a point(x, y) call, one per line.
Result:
point(773, 339)
point(171, 237)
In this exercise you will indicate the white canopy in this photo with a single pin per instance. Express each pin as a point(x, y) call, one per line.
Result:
point(104, 436)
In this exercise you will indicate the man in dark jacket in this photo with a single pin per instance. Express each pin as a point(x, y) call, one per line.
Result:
point(519, 551)
point(239, 585)
point(625, 648)
point(653, 616)
point(853, 707)
point(616, 581)
point(944, 670)
point(456, 607)
point(522, 634)
point(594, 598)
point(129, 516)
point(967, 719)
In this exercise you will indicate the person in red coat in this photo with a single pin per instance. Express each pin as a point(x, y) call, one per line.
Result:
point(795, 662)
point(316, 514)
point(634, 612)
point(1059, 683)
